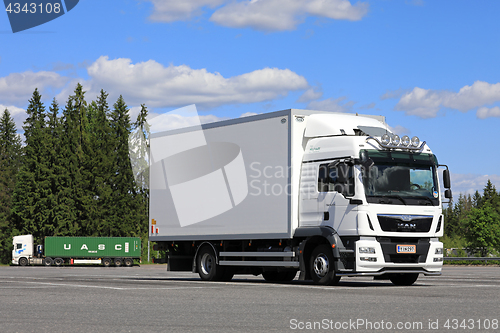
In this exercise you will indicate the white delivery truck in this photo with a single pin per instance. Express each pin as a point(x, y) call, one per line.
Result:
point(320, 193)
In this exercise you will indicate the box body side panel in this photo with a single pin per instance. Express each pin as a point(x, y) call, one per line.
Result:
point(243, 194)
point(92, 247)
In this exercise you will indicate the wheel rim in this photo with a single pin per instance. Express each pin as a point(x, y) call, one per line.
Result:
point(321, 265)
point(206, 263)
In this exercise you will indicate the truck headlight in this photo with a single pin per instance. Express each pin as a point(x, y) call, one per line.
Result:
point(439, 250)
point(366, 250)
point(368, 259)
point(438, 259)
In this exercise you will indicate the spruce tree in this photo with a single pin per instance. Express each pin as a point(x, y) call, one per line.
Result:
point(75, 153)
point(10, 155)
point(140, 148)
point(124, 219)
point(101, 164)
point(33, 187)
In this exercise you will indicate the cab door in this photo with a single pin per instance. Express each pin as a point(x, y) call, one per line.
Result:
point(336, 186)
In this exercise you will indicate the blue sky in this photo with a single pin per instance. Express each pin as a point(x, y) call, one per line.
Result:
point(431, 67)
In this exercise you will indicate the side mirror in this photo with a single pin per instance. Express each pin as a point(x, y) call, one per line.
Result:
point(446, 179)
point(342, 173)
point(367, 164)
point(447, 194)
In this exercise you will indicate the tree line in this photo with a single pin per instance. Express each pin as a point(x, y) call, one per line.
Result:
point(73, 175)
point(473, 222)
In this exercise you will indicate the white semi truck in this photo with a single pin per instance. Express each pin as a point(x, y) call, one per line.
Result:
point(320, 193)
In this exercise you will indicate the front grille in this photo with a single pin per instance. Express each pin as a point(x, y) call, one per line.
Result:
point(405, 223)
point(404, 258)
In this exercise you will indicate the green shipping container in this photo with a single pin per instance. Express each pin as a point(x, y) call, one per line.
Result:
point(92, 247)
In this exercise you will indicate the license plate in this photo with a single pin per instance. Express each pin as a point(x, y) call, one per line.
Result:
point(406, 249)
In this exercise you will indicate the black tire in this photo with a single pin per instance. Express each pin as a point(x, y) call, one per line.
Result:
point(129, 262)
point(227, 275)
point(58, 261)
point(208, 270)
point(404, 279)
point(106, 262)
point(47, 261)
point(118, 262)
point(23, 261)
point(273, 276)
point(321, 266)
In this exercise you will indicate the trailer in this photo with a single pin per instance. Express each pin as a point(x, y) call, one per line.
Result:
point(57, 251)
point(320, 193)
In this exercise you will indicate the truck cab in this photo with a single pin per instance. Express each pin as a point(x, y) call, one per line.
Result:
point(23, 250)
point(379, 192)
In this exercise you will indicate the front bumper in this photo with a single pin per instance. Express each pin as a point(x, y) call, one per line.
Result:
point(386, 259)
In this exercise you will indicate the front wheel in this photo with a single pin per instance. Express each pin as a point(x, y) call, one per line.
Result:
point(208, 270)
point(321, 266)
point(404, 279)
point(23, 262)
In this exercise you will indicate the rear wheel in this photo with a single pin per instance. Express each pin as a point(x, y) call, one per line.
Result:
point(23, 262)
point(208, 270)
point(404, 279)
point(58, 261)
point(106, 262)
point(118, 262)
point(129, 262)
point(321, 266)
point(47, 261)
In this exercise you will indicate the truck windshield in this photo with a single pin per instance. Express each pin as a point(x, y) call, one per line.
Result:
point(400, 178)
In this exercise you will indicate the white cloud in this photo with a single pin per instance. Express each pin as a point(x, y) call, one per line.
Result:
point(17, 88)
point(367, 106)
point(426, 103)
point(248, 114)
point(158, 86)
point(175, 10)
point(484, 112)
point(264, 15)
point(17, 114)
point(311, 94)
point(280, 15)
point(470, 183)
point(170, 121)
point(331, 104)
point(400, 130)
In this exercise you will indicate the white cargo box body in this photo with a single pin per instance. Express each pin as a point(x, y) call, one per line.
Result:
point(262, 206)
point(235, 179)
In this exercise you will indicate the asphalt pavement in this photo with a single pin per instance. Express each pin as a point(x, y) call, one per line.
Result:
point(151, 299)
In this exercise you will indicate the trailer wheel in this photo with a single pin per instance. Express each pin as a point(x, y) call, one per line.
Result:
point(129, 262)
point(406, 279)
point(47, 261)
point(208, 270)
point(322, 267)
point(118, 262)
point(58, 261)
point(106, 262)
point(23, 262)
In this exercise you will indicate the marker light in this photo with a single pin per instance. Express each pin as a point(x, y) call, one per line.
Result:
point(396, 140)
point(415, 141)
point(405, 140)
point(386, 139)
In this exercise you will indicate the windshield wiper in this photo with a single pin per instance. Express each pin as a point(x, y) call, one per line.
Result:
point(423, 198)
point(391, 197)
